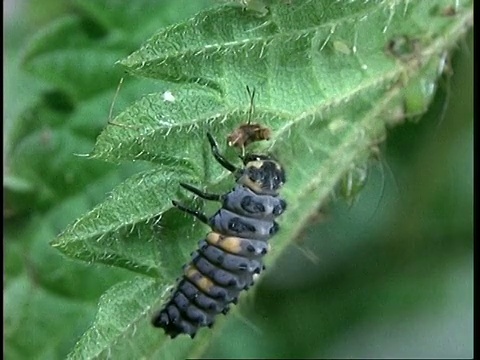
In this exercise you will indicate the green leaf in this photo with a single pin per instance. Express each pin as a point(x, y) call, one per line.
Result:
point(161, 130)
point(49, 300)
point(48, 144)
point(327, 77)
point(68, 32)
point(92, 115)
point(47, 159)
point(138, 19)
point(27, 334)
point(128, 229)
point(121, 329)
point(71, 70)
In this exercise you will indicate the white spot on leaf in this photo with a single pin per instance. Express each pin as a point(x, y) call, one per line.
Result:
point(168, 96)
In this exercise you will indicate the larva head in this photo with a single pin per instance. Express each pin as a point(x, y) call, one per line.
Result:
point(262, 174)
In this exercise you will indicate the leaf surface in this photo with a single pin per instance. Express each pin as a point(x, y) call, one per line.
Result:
point(328, 75)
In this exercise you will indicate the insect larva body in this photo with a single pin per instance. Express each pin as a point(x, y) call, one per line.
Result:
point(231, 254)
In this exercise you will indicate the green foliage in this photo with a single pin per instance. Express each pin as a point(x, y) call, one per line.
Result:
point(330, 76)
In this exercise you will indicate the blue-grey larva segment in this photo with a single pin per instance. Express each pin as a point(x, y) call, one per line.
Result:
point(231, 254)
point(244, 201)
point(226, 222)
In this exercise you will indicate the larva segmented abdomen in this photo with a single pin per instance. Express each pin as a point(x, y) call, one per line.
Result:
point(224, 265)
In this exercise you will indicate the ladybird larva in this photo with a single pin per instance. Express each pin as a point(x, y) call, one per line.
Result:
point(231, 254)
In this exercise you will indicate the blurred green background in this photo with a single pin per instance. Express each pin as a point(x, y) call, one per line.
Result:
point(389, 276)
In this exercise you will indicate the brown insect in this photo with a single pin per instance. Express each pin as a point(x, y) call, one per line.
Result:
point(248, 133)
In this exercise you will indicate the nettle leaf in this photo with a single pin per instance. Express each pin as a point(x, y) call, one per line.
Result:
point(68, 32)
point(71, 70)
point(128, 230)
point(122, 318)
point(49, 300)
point(28, 334)
point(137, 19)
point(93, 115)
point(327, 75)
point(47, 159)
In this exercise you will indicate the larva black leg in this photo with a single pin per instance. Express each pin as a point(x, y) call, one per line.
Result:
point(200, 216)
point(221, 160)
point(200, 193)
